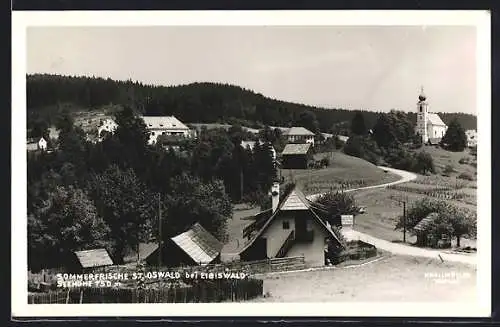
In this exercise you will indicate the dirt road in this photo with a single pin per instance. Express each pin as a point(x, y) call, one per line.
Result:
point(402, 249)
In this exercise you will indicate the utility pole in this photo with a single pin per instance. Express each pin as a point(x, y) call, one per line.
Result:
point(404, 221)
point(160, 227)
point(402, 201)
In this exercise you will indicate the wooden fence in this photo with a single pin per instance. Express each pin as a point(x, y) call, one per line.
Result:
point(200, 292)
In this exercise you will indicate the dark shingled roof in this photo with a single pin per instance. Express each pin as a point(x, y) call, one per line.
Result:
point(145, 250)
point(94, 258)
point(427, 222)
point(296, 148)
point(199, 244)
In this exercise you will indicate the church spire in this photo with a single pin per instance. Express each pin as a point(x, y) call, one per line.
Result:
point(422, 96)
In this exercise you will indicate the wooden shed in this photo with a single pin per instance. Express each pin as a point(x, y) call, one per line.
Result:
point(193, 247)
point(296, 156)
point(425, 238)
point(90, 261)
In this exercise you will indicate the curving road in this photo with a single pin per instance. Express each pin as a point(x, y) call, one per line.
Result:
point(406, 176)
point(397, 248)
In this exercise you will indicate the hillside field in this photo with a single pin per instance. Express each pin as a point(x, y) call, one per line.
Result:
point(351, 171)
point(383, 210)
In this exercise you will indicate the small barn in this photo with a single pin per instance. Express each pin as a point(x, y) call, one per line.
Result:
point(90, 261)
point(294, 227)
point(296, 156)
point(141, 254)
point(196, 246)
point(427, 239)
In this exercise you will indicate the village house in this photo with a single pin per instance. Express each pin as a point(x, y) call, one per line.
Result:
point(196, 246)
point(471, 138)
point(166, 125)
point(106, 126)
point(299, 135)
point(36, 145)
point(293, 226)
point(296, 156)
point(429, 125)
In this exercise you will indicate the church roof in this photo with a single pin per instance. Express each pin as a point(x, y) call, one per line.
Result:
point(434, 119)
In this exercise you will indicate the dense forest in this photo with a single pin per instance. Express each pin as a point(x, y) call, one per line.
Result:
point(196, 102)
point(84, 195)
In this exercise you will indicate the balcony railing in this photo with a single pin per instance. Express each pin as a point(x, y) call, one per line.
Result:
point(286, 245)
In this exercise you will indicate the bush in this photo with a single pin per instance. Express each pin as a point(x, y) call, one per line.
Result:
point(325, 162)
point(424, 163)
point(463, 161)
point(363, 147)
point(448, 170)
point(466, 176)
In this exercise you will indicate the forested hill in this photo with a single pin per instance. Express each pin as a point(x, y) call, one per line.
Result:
point(196, 102)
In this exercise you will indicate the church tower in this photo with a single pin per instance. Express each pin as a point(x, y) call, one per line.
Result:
point(422, 116)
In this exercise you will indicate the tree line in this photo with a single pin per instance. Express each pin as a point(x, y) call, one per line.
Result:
point(196, 102)
point(110, 194)
point(392, 140)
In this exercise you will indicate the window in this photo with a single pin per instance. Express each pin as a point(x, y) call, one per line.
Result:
point(309, 224)
point(153, 133)
point(161, 125)
point(286, 224)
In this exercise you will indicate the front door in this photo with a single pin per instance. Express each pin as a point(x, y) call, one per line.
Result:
point(300, 226)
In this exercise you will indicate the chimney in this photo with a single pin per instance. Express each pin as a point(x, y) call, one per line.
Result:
point(275, 195)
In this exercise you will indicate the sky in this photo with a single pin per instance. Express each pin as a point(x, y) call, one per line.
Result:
point(375, 68)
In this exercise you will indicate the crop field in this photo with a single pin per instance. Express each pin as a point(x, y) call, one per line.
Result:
point(462, 162)
point(383, 209)
point(344, 172)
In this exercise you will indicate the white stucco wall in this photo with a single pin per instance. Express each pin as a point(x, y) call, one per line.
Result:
point(313, 252)
point(276, 235)
point(436, 131)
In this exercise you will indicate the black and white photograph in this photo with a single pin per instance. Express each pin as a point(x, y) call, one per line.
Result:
point(316, 163)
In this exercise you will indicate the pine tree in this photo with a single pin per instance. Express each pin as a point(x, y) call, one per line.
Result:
point(455, 138)
point(358, 126)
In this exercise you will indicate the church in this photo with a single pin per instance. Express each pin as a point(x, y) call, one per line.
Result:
point(429, 124)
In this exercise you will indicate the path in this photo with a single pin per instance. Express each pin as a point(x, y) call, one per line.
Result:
point(397, 248)
point(402, 249)
point(406, 176)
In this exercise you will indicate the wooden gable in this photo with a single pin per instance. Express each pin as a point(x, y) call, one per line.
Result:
point(294, 202)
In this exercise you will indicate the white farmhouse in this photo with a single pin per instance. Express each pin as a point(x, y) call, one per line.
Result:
point(471, 138)
point(42, 144)
point(108, 125)
point(429, 125)
point(165, 125)
point(299, 135)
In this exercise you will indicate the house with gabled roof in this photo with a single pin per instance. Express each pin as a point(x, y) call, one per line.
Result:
point(195, 246)
point(296, 156)
point(167, 126)
point(299, 135)
point(293, 227)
